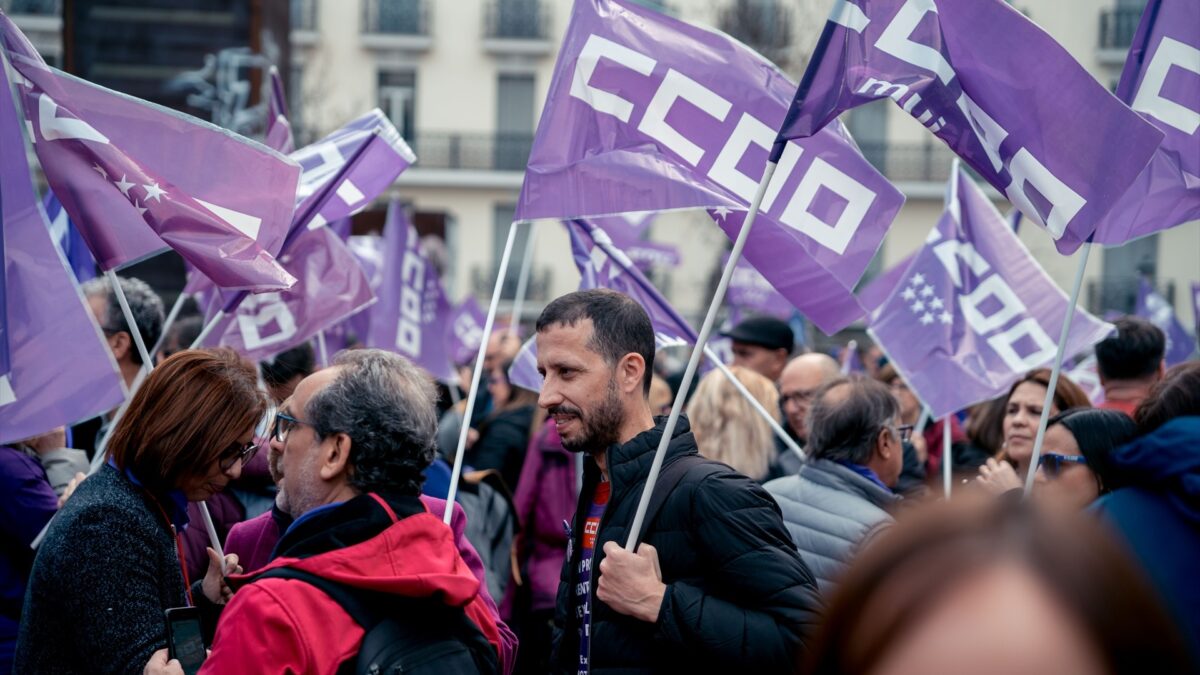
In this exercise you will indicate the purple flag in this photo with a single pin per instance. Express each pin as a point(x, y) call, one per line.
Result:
point(279, 130)
point(1161, 81)
point(626, 234)
point(331, 287)
point(1154, 308)
point(412, 315)
point(66, 236)
point(874, 293)
point(974, 311)
point(1196, 305)
point(823, 299)
point(60, 370)
point(647, 113)
point(465, 332)
point(750, 291)
point(999, 91)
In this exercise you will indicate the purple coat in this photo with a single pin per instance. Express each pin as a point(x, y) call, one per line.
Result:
point(545, 499)
point(26, 504)
point(254, 540)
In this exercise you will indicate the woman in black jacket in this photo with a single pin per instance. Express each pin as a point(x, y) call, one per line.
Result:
point(504, 434)
point(110, 564)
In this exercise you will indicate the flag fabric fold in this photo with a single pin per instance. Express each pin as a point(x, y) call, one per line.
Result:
point(749, 291)
point(466, 330)
point(279, 129)
point(60, 369)
point(1007, 98)
point(647, 113)
point(974, 311)
point(1153, 307)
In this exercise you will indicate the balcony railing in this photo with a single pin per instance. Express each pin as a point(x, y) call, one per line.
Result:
point(1117, 27)
point(304, 15)
point(910, 162)
point(1118, 293)
point(764, 25)
point(396, 17)
point(473, 152)
point(483, 280)
point(517, 20)
point(32, 7)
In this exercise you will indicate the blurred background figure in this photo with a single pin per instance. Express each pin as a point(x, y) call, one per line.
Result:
point(726, 426)
point(1075, 467)
point(661, 396)
point(180, 336)
point(60, 463)
point(1156, 511)
point(845, 488)
point(994, 587)
point(762, 344)
point(504, 434)
point(928, 443)
point(1019, 424)
point(800, 380)
point(1129, 362)
point(284, 372)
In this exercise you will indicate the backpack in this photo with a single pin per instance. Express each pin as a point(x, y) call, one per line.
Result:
point(492, 526)
point(405, 635)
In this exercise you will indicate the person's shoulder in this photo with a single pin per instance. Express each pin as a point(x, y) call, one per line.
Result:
point(783, 486)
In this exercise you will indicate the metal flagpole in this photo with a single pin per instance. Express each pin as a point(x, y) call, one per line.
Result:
point(133, 327)
point(522, 281)
point(758, 407)
point(322, 349)
point(946, 456)
point(694, 361)
point(166, 327)
point(475, 376)
point(1058, 361)
point(851, 348)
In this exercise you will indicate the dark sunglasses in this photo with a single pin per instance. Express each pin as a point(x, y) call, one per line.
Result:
point(283, 424)
point(238, 452)
point(1054, 463)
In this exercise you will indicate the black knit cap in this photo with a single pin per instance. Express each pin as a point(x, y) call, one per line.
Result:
point(764, 331)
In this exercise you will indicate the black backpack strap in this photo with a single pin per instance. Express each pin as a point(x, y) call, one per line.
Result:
point(669, 477)
point(354, 606)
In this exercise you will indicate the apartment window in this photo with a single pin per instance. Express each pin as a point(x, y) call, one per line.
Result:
point(514, 121)
point(502, 218)
point(868, 126)
point(397, 99)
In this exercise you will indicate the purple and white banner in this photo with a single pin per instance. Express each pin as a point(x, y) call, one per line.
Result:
point(1154, 308)
point(998, 90)
point(750, 291)
point(648, 113)
point(412, 316)
point(60, 369)
point(974, 311)
point(466, 331)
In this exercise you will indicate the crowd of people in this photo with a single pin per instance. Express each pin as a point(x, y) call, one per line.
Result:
point(327, 490)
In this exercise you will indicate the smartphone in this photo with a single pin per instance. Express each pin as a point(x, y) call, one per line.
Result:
point(185, 641)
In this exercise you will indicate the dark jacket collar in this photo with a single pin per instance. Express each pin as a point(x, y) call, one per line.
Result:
point(349, 523)
point(629, 463)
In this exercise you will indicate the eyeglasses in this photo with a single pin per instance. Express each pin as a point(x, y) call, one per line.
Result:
point(1054, 463)
point(238, 452)
point(904, 431)
point(283, 424)
point(797, 397)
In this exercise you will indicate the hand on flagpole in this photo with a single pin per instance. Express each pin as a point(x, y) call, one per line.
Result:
point(631, 583)
point(998, 477)
point(215, 588)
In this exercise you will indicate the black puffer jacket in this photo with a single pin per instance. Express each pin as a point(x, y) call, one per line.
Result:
point(739, 598)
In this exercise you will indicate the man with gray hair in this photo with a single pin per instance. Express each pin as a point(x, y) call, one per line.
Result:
point(844, 489)
point(349, 446)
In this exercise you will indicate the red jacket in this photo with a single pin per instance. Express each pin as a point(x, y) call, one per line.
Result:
point(288, 626)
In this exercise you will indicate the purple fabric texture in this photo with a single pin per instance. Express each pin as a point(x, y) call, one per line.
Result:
point(137, 178)
point(875, 292)
point(749, 291)
point(1196, 305)
point(994, 87)
point(412, 316)
point(1161, 81)
point(647, 113)
point(466, 330)
point(279, 130)
point(61, 369)
point(974, 309)
point(1153, 307)
point(627, 234)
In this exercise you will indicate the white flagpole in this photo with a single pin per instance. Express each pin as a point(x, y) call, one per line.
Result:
point(133, 327)
point(322, 349)
point(166, 327)
point(212, 533)
point(851, 347)
point(758, 407)
point(518, 307)
point(1085, 250)
point(475, 376)
point(946, 456)
point(694, 361)
point(208, 328)
point(923, 420)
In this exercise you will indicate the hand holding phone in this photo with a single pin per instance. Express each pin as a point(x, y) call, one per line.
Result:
point(185, 641)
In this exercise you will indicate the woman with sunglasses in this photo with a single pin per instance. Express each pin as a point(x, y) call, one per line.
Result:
point(110, 564)
point(1074, 468)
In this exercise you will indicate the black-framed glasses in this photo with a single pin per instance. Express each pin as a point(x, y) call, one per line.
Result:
point(904, 431)
point(283, 424)
point(1054, 463)
point(238, 452)
point(796, 397)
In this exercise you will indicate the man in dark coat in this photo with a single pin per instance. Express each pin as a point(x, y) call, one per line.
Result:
point(716, 584)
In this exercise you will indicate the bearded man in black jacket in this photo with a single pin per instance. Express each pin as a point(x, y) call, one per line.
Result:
point(716, 584)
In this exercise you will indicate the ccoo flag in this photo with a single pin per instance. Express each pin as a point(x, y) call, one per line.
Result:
point(974, 310)
point(999, 91)
point(412, 316)
point(60, 370)
point(1154, 308)
point(1161, 81)
point(466, 330)
point(749, 291)
point(647, 113)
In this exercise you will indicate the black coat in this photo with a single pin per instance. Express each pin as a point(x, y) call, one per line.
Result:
point(739, 598)
point(503, 439)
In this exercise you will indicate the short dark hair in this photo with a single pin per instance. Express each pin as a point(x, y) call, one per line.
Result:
point(387, 406)
point(298, 360)
point(619, 325)
point(1098, 433)
point(1133, 352)
point(845, 430)
point(1176, 395)
point(144, 304)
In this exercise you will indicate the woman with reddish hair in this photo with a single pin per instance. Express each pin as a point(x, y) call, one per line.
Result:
point(110, 564)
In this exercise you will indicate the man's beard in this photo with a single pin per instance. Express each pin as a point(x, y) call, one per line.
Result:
point(601, 426)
